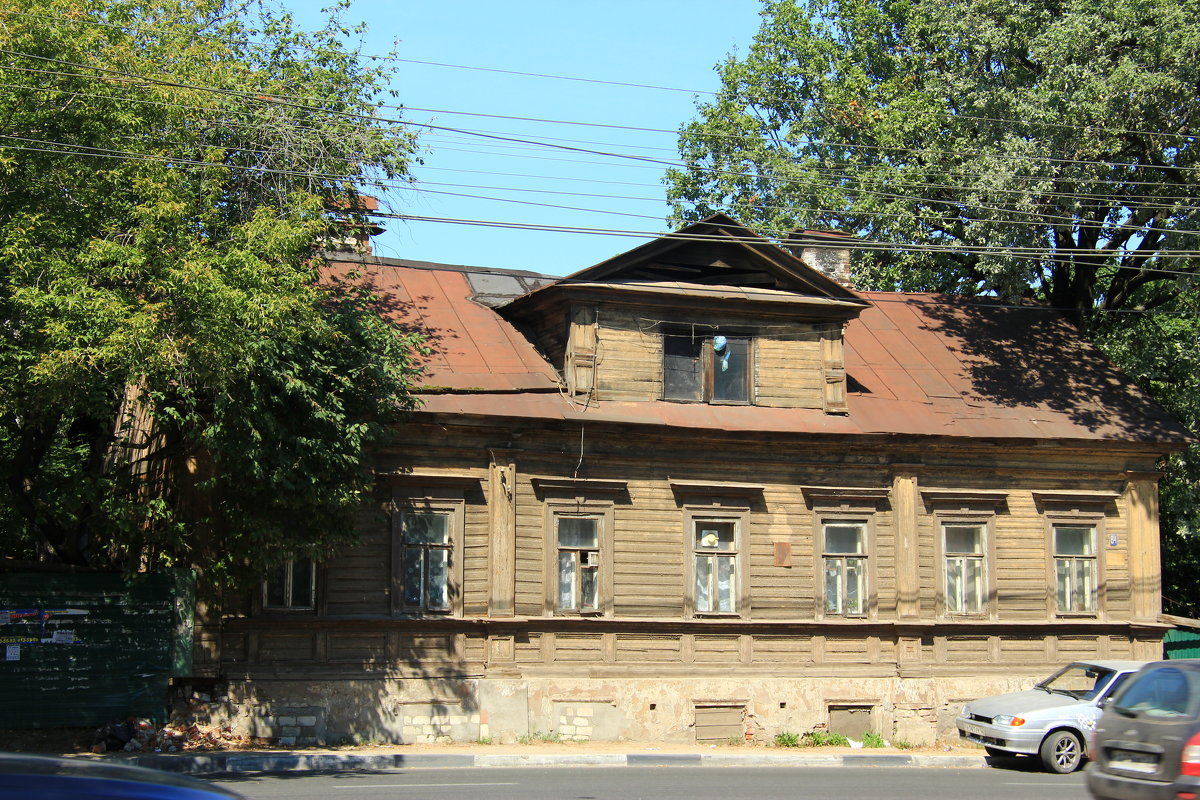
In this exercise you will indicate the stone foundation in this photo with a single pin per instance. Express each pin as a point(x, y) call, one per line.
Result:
point(914, 711)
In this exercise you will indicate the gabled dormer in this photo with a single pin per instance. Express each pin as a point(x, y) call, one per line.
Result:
point(710, 314)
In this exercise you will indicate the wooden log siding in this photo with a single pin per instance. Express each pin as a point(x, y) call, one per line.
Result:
point(530, 543)
point(647, 562)
point(789, 361)
point(782, 634)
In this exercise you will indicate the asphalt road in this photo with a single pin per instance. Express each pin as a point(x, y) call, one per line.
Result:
point(665, 783)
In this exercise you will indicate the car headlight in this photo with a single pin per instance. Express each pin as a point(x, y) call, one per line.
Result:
point(1008, 719)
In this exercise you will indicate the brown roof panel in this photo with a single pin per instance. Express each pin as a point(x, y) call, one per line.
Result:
point(927, 365)
point(473, 348)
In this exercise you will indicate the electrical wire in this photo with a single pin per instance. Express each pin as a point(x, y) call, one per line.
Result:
point(408, 186)
point(1085, 129)
point(300, 103)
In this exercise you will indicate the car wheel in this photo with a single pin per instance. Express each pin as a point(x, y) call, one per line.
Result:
point(1061, 752)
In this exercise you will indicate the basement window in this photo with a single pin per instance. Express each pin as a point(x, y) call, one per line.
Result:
point(707, 369)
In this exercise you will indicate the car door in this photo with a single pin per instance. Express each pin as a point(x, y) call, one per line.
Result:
point(1145, 727)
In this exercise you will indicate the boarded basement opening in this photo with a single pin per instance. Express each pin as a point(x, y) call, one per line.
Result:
point(720, 723)
point(853, 722)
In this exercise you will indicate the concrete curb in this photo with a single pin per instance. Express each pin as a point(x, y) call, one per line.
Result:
point(224, 763)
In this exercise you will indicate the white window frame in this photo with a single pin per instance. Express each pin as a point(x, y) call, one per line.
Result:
point(984, 558)
point(1092, 561)
point(580, 507)
point(289, 568)
point(828, 557)
point(739, 519)
point(583, 558)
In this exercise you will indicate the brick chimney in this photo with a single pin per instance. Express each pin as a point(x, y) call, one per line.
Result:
point(827, 252)
point(356, 229)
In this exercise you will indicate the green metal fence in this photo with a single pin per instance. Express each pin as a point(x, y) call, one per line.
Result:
point(1181, 643)
point(88, 648)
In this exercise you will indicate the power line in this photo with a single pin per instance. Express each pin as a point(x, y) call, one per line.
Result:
point(298, 102)
point(854, 244)
point(1037, 254)
point(397, 59)
point(376, 181)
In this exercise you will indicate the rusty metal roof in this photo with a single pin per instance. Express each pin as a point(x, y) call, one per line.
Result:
point(473, 348)
point(919, 364)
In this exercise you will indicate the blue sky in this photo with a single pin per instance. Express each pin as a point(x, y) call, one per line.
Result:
point(654, 42)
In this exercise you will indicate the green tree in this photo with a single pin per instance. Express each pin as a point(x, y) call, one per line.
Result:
point(1040, 148)
point(168, 172)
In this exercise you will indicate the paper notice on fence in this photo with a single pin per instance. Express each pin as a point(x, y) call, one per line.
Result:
point(12, 652)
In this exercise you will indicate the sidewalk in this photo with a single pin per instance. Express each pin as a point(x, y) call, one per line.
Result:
point(540, 755)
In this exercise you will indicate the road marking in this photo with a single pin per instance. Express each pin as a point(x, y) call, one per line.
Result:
point(421, 785)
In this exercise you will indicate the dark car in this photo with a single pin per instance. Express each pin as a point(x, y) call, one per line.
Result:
point(1147, 743)
point(24, 777)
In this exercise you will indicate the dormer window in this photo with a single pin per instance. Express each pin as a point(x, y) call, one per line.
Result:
point(707, 368)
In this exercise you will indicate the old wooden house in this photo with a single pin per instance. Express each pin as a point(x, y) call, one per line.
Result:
point(706, 490)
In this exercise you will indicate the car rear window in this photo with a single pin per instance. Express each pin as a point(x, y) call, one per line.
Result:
point(1161, 693)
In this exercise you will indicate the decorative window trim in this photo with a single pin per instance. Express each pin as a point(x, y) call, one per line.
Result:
point(406, 481)
point(841, 498)
point(433, 499)
point(291, 607)
point(986, 521)
point(740, 517)
point(695, 488)
point(574, 486)
point(870, 596)
point(1074, 501)
point(982, 500)
point(1078, 519)
point(602, 510)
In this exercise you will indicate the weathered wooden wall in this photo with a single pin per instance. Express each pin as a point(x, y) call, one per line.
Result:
point(783, 629)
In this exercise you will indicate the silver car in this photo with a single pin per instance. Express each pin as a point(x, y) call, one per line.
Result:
point(1054, 720)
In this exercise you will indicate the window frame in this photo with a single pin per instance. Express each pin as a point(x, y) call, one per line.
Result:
point(289, 580)
point(585, 508)
point(985, 521)
point(1078, 520)
point(740, 518)
point(823, 555)
point(707, 360)
point(436, 501)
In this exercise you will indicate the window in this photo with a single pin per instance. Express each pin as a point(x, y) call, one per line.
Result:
point(966, 577)
point(578, 540)
point(1075, 568)
point(1161, 693)
point(713, 369)
point(291, 585)
point(715, 562)
point(425, 559)
point(845, 559)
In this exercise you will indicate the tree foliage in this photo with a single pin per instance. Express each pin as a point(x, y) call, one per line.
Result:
point(167, 173)
point(1039, 148)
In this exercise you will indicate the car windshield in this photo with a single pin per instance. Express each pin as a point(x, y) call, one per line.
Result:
point(1081, 681)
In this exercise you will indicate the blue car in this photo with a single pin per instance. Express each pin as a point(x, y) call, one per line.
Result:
point(25, 777)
